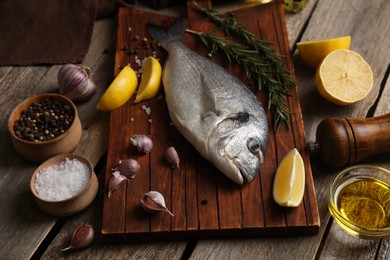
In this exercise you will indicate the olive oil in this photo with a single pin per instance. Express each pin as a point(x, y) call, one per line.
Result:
point(366, 203)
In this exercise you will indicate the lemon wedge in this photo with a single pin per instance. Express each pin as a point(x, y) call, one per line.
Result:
point(150, 79)
point(289, 182)
point(120, 90)
point(344, 77)
point(313, 52)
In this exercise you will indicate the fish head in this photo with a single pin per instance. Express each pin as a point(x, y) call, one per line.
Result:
point(237, 147)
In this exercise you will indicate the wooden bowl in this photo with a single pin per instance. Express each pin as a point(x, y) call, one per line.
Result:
point(71, 205)
point(41, 151)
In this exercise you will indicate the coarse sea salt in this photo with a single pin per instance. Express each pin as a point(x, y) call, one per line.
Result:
point(147, 110)
point(62, 181)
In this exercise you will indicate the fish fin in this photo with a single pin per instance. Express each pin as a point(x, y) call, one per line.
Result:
point(175, 32)
point(210, 110)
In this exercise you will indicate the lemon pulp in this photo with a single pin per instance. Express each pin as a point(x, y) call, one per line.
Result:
point(289, 182)
point(344, 77)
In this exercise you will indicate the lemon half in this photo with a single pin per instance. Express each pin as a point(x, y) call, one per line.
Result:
point(150, 79)
point(120, 90)
point(313, 52)
point(344, 77)
point(289, 182)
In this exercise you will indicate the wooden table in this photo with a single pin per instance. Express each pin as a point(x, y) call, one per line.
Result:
point(26, 231)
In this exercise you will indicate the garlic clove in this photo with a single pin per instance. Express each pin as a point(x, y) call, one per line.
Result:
point(154, 202)
point(172, 157)
point(142, 142)
point(115, 183)
point(75, 82)
point(129, 168)
point(82, 237)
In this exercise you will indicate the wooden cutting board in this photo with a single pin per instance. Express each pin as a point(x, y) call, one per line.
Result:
point(204, 203)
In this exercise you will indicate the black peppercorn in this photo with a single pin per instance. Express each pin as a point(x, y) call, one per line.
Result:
point(43, 121)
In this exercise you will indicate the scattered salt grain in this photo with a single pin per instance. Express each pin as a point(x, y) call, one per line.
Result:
point(147, 110)
point(138, 61)
point(116, 174)
point(132, 119)
point(62, 181)
point(150, 121)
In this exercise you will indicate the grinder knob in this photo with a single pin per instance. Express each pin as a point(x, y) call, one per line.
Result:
point(342, 141)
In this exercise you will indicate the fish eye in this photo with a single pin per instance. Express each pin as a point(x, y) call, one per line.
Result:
point(253, 145)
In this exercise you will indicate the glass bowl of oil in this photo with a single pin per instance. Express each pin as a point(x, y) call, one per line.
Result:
point(359, 201)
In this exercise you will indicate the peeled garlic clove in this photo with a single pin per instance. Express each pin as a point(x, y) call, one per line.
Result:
point(142, 142)
point(82, 237)
point(154, 202)
point(115, 182)
point(172, 157)
point(129, 168)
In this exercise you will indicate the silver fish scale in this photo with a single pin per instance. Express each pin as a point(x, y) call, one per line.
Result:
point(212, 109)
point(195, 86)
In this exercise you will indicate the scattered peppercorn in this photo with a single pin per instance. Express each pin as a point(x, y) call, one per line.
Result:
point(43, 121)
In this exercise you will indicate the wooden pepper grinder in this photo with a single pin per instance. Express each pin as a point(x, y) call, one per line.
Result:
point(342, 141)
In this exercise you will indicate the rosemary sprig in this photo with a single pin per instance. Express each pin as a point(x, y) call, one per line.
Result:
point(267, 67)
point(253, 67)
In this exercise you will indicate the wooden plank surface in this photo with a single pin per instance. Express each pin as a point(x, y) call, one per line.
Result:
point(326, 22)
point(26, 224)
point(229, 210)
point(26, 231)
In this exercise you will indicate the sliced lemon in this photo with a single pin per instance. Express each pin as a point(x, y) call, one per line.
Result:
point(289, 182)
point(150, 79)
point(344, 77)
point(120, 90)
point(313, 52)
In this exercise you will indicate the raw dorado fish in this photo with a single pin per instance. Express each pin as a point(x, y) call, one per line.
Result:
point(211, 108)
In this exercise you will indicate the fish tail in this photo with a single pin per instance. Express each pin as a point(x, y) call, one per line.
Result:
point(175, 32)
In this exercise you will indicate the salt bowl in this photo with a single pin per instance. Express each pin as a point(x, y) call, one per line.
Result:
point(64, 185)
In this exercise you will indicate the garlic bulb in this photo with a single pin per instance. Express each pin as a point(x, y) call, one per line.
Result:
point(154, 202)
point(115, 182)
point(82, 237)
point(75, 82)
point(142, 142)
point(128, 168)
point(172, 157)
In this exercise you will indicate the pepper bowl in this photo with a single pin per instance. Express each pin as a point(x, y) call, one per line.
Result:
point(40, 151)
point(77, 202)
point(359, 201)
